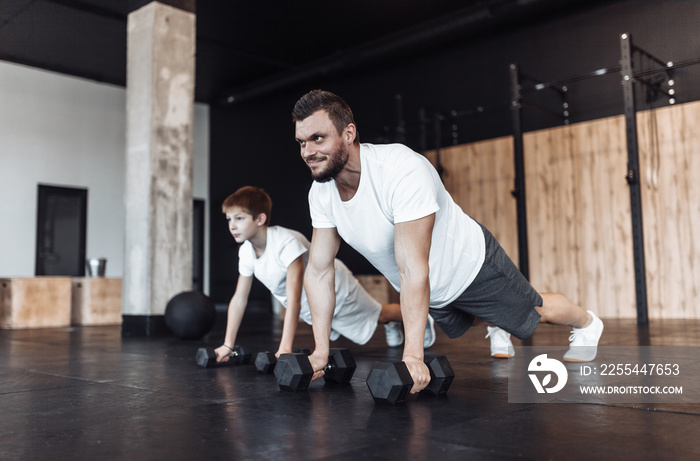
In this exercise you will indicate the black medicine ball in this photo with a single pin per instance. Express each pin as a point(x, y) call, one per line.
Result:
point(190, 315)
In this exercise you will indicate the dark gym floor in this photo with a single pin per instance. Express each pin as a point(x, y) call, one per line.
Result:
point(86, 393)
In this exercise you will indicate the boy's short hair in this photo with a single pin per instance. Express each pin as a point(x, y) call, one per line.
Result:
point(252, 199)
point(338, 110)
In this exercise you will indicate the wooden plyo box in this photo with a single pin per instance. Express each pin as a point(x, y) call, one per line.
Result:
point(35, 302)
point(96, 301)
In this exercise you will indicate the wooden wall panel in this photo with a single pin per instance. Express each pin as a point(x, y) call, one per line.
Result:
point(579, 222)
point(480, 178)
point(670, 165)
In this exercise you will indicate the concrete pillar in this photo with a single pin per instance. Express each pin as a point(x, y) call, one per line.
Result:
point(158, 198)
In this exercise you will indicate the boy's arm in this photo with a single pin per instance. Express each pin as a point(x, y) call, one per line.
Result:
point(236, 307)
point(319, 283)
point(412, 251)
point(295, 280)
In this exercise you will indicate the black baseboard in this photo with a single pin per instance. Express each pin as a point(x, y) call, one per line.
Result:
point(144, 326)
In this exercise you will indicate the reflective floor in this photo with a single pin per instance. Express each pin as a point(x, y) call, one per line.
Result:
point(86, 393)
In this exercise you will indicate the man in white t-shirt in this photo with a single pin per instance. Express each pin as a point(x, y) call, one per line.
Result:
point(277, 256)
point(389, 203)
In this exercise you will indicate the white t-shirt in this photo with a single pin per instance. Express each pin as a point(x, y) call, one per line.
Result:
point(356, 313)
point(283, 246)
point(399, 185)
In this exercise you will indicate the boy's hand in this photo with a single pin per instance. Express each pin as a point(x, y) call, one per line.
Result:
point(419, 372)
point(223, 354)
point(318, 362)
point(281, 351)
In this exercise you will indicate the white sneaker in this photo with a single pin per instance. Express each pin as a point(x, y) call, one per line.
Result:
point(501, 346)
point(429, 338)
point(584, 341)
point(394, 334)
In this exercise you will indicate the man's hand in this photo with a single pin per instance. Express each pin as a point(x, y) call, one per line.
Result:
point(419, 372)
point(318, 363)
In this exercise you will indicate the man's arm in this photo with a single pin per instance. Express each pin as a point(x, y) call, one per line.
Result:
point(412, 250)
point(295, 280)
point(236, 307)
point(319, 282)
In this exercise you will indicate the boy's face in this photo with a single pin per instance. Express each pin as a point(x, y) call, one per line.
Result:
point(242, 225)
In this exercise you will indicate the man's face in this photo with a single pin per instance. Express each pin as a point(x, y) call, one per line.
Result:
point(322, 148)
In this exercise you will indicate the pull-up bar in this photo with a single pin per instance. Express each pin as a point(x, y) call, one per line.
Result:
point(629, 77)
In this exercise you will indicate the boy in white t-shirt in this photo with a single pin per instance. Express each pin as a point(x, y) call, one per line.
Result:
point(277, 257)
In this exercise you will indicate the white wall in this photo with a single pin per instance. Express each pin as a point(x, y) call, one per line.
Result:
point(66, 131)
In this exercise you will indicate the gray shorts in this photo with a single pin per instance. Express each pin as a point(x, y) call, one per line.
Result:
point(499, 295)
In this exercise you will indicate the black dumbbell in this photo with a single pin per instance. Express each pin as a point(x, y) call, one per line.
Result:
point(265, 361)
point(391, 382)
point(294, 371)
point(206, 357)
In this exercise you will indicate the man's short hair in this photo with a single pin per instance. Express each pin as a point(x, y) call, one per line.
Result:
point(253, 200)
point(338, 110)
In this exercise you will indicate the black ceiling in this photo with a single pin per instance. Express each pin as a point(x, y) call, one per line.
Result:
point(246, 48)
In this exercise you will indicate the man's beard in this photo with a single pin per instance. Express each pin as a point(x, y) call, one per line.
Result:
point(336, 163)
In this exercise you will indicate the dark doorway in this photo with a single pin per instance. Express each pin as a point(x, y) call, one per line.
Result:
point(198, 245)
point(60, 231)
